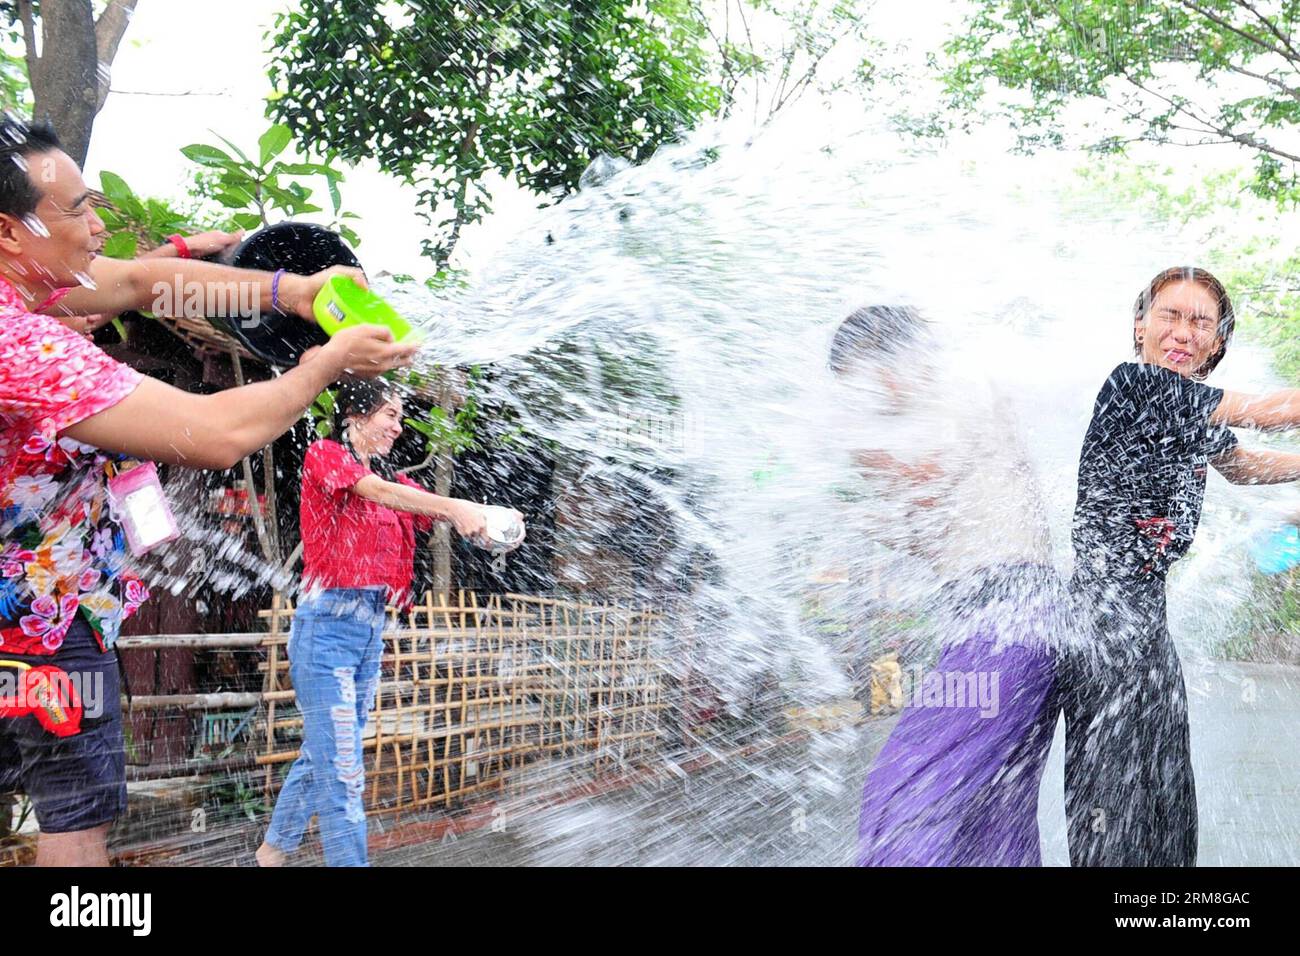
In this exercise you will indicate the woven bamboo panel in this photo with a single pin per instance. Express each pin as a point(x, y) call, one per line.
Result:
point(203, 337)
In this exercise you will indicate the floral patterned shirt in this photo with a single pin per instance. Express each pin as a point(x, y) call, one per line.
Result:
point(63, 553)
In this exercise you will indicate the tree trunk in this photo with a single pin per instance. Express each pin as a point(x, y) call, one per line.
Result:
point(443, 471)
point(111, 25)
point(7, 803)
point(70, 77)
point(466, 147)
point(441, 540)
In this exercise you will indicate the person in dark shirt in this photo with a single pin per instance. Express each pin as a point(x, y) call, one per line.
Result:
point(1156, 427)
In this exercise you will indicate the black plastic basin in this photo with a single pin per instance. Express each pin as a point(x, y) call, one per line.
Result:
point(298, 247)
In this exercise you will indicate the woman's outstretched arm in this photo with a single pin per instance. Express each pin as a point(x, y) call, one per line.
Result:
point(1244, 466)
point(465, 516)
point(1275, 411)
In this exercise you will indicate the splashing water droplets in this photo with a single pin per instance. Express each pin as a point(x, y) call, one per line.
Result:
point(657, 348)
point(36, 226)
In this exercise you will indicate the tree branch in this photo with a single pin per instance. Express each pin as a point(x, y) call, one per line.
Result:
point(29, 40)
point(749, 39)
point(109, 28)
point(729, 75)
point(429, 459)
point(1209, 126)
point(1239, 31)
point(1272, 28)
point(810, 73)
point(466, 146)
point(787, 61)
point(154, 93)
point(1271, 81)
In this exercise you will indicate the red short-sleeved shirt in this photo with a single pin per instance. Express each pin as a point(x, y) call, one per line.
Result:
point(62, 554)
point(349, 541)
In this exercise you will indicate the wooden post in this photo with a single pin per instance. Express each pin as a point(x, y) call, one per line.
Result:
point(443, 471)
point(272, 511)
point(270, 549)
point(272, 682)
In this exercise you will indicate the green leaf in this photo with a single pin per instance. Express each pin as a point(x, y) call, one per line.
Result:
point(233, 200)
point(424, 428)
point(238, 152)
point(114, 187)
point(206, 155)
point(273, 141)
point(247, 220)
point(302, 169)
point(159, 212)
point(121, 246)
point(286, 198)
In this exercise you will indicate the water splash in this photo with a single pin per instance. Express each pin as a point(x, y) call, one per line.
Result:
point(701, 290)
point(664, 335)
point(36, 226)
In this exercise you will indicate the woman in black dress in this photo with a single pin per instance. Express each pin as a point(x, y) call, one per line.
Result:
point(1129, 790)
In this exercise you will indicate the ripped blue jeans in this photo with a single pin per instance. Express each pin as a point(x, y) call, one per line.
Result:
point(334, 651)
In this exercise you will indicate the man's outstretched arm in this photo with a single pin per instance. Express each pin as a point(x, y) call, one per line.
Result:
point(165, 424)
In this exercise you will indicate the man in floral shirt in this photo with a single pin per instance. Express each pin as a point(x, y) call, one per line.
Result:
point(69, 417)
point(64, 558)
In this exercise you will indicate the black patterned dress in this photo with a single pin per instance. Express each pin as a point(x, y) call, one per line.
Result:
point(1129, 790)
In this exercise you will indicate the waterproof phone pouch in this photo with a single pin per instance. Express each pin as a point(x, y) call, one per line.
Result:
point(142, 508)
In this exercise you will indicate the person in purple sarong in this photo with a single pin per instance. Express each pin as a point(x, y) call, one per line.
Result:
point(956, 783)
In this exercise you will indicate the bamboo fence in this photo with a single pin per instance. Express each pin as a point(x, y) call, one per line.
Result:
point(474, 690)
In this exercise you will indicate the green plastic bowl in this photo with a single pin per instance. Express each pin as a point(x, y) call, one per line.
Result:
point(341, 303)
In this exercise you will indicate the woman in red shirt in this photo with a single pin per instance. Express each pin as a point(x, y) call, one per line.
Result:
point(359, 521)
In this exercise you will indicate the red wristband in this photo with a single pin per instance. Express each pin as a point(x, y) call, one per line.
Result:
point(182, 250)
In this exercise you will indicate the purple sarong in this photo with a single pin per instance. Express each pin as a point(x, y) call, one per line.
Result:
point(957, 782)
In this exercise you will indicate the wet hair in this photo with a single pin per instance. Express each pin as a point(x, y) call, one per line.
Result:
point(361, 398)
point(1227, 318)
point(18, 140)
point(876, 330)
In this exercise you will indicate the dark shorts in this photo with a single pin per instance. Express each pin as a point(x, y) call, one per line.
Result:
point(78, 782)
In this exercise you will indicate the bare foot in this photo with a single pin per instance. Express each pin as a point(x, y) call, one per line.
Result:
point(268, 855)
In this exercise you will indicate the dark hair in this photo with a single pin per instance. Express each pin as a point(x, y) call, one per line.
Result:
point(1227, 318)
point(18, 140)
point(875, 329)
point(359, 398)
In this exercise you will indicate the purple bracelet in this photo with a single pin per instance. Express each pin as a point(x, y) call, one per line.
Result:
point(275, 292)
